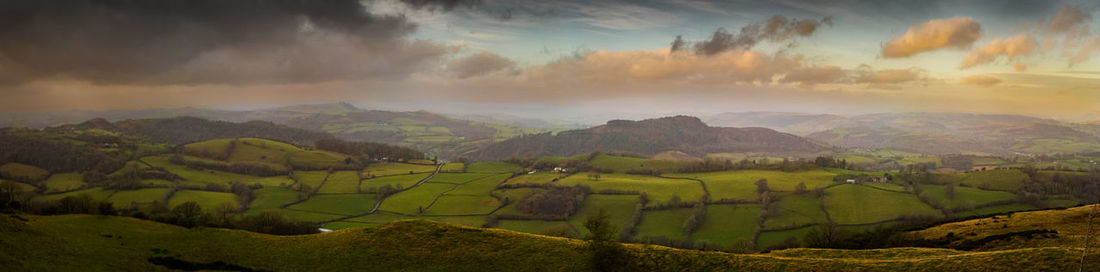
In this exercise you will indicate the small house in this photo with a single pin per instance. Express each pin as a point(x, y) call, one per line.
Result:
point(851, 181)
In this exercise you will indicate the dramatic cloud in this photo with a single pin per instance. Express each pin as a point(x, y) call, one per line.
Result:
point(776, 29)
point(1013, 48)
point(480, 64)
point(958, 32)
point(815, 75)
point(173, 42)
point(621, 69)
point(865, 74)
point(980, 80)
point(1067, 18)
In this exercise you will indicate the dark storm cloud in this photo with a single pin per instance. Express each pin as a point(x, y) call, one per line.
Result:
point(168, 42)
point(778, 28)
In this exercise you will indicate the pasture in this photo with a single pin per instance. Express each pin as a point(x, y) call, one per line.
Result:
point(463, 205)
point(492, 167)
point(481, 186)
point(855, 204)
point(15, 170)
point(725, 224)
point(137, 198)
point(343, 204)
point(269, 198)
point(63, 182)
point(398, 181)
point(411, 201)
point(97, 193)
point(396, 168)
point(207, 200)
point(771, 238)
point(663, 223)
point(659, 190)
point(536, 178)
point(965, 198)
point(619, 207)
point(341, 182)
point(792, 210)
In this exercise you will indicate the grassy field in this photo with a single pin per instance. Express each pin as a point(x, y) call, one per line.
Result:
point(57, 243)
point(536, 178)
point(480, 187)
point(311, 178)
point(1069, 223)
point(725, 224)
point(793, 210)
point(16, 186)
point(457, 178)
point(97, 193)
point(855, 204)
point(267, 152)
point(396, 168)
point(663, 223)
point(270, 198)
point(139, 197)
point(194, 176)
point(492, 167)
point(275, 181)
point(741, 184)
point(513, 195)
point(965, 197)
point(771, 238)
point(619, 207)
point(998, 179)
point(411, 201)
point(399, 181)
point(660, 190)
point(996, 210)
point(305, 216)
point(64, 182)
point(207, 200)
point(382, 218)
point(343, 204)
point(341, 182)
point(19, 170)
point(452, 167)
point(130, 166)
point(463, 205)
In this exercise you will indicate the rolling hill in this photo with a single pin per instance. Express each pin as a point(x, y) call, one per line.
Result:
point(680, 133)
point(40, 243)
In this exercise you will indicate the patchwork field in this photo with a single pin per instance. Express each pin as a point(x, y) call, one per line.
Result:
point(741, 184)
point(793, 210)
point(725, 224)
point(396, 168)
point(207, 200)
point(270, 198)
point(22, 171)
point(855, 204)
point(64, 182)
point(413, 200)
point(619, 207)
point(341, 182)
point(663, 223)
point(536, 178)
point(965, 198)
point(342, 204)
point(492, 167)
point(398, 181)
point(137, 198)
point(463, 205)
point(97, 193)
point(772, 238)
point(659, 190)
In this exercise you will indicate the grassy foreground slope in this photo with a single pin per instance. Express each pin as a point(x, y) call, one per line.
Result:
point(52, 243)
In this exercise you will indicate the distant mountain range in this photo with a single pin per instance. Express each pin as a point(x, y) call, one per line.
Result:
point(649, 137)
point(930, 133)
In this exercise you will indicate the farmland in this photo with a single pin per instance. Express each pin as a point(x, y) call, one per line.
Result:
point(206, 200)
point(659, 190)
point(855, 204)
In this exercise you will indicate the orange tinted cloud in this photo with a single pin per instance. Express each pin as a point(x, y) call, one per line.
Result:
point(958, 32)
point(865, 74)
point(1014, 47)
point(980, 80)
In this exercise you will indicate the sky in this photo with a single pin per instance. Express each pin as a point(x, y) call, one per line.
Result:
point(1038, 58)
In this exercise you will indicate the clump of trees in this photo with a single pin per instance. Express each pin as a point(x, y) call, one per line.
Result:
point(607, 253)
point(560, 201)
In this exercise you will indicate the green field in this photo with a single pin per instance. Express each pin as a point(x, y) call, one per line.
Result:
point(725, 224)
point(513, 195)
point(792, 210)
point(411, 201)
point(63, 182)
point(311, 178)
point(536, 178)
point(399, 181)
point(194, 176)
point(139, 197)
point(492, 167)
point(996, 210)
point(207, 200)
point(480, 186)
point(16, 186)
point(619, 207)
point(341, 182)
point(274, 181)
point(457, 178)
point(463, 205)
point(663, 223)
point(19, 170)
point(396, 168)
point(267, 152)
point(270, 198)
point(343, 204)
point(382, 218)
point(741, 184)
point(660, 190)
point(452, 167)
point(998, 179)
point(771, 238)
point(307, 216)
point(97, 193)
point(855, 204)
point(965, 197)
